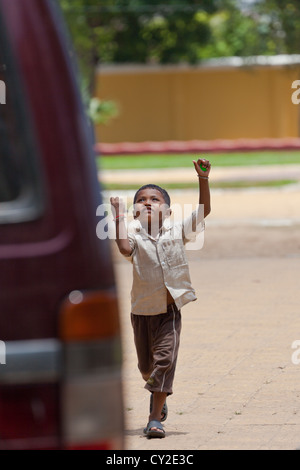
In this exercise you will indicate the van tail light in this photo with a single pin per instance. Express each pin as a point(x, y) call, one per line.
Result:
point(92, 401)
point(89, 316)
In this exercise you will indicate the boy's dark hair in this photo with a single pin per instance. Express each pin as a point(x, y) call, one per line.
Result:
point(154, 186)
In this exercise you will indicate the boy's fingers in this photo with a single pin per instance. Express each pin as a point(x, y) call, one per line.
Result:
point(199, 163)
point(204, 163)
point(196, 164)
point(115, 200)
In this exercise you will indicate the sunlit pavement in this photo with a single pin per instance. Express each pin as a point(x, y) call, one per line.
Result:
point(218, 174)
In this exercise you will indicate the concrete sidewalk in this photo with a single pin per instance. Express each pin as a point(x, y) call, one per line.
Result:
point(237, 379)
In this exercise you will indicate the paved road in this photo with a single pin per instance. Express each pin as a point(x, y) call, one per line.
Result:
point(236, 386)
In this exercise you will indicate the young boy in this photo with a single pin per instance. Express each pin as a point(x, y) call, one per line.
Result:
point(161, 284)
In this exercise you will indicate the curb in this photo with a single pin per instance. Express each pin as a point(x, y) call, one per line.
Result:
point(197, 146)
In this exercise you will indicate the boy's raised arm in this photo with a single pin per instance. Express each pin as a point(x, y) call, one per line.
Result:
point(118, 209)
point(202, 168)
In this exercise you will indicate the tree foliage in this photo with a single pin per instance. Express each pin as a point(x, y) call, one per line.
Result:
point(281, 18)
point(164, 32)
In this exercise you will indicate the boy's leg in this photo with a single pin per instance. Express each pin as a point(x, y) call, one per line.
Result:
point(159, 399)
point(166, 330)
point(157, 342)
point(142, 341)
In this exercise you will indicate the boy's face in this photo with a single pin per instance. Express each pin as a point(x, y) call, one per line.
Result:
point(150, 206)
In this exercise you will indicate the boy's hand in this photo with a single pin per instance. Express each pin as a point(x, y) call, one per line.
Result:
point(201, 162)
point(118, 206)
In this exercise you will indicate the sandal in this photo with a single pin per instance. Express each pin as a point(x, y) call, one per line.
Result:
point(150, 432)
point(164, 410)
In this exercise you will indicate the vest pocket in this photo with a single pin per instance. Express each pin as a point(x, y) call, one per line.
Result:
point(174, 253)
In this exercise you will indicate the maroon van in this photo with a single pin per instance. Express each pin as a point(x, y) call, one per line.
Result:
point(61, 357)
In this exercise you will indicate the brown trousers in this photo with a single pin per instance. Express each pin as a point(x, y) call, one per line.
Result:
point(156, 340)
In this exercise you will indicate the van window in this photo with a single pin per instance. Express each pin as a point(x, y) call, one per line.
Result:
point(20, 195)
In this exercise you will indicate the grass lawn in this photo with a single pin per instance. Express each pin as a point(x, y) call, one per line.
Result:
point(119, 162)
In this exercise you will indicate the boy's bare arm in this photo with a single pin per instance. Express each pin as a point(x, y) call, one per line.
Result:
point(203, 174)
point(118, 209)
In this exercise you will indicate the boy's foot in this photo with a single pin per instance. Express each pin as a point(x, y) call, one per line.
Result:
point(154, 429)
